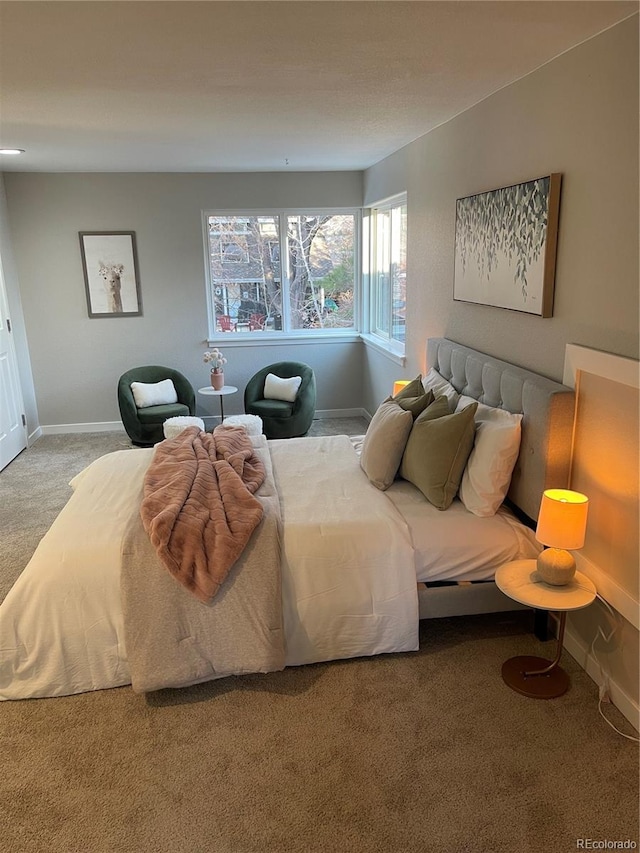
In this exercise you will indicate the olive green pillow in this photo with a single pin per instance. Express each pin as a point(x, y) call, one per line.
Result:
point(414, 404)
point(437, 451)
point(414, 389)
point(436, 409)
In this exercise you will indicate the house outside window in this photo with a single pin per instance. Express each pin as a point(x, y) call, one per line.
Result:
point(234, 250)
point(253, 292)
point(387, 273)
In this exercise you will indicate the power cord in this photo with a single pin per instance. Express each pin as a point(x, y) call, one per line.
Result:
point(604, 696)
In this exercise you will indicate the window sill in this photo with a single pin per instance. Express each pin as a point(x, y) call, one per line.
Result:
point(395, 355)
point(255, 339)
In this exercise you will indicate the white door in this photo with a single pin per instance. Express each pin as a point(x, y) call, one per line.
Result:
point(13, 432)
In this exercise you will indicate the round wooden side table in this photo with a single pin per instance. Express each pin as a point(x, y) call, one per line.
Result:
point(208, 391)
point(534, 676)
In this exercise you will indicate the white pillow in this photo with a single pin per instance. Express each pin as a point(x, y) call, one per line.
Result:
point(486, 478)
point(441, 388)
point(489, 413)
point(276, 388)
point(154, 393)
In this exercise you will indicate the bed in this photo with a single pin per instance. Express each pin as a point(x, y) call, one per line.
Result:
point(358, 566)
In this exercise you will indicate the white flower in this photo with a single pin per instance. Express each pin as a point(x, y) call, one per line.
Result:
point(215, 359)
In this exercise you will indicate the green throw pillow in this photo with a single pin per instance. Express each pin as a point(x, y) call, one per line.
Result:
point(413, 397)
point(437, 451)
point(415, 405)
point(437, 409)
point(415, 388)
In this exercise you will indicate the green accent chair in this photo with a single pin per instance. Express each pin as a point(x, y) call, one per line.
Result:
point(279, 418)
point(144, 426)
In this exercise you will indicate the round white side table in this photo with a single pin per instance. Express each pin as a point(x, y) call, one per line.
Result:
point(533, 676)
point(208, 391)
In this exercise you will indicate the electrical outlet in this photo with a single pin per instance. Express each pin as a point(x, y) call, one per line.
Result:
point(604, 693)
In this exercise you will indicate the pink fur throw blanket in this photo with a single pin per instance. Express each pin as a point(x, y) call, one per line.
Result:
point(199, 508)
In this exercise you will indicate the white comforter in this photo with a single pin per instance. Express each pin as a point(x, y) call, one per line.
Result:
point(349, 582)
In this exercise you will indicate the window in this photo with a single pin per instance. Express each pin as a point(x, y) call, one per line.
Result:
point(321, 253)
point(387, 239)
point(282, 272)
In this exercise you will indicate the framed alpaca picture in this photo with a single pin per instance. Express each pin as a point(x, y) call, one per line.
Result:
point(110, 266)
point(505, 247)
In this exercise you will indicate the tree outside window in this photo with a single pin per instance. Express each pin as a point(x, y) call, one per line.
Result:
point(251, 293)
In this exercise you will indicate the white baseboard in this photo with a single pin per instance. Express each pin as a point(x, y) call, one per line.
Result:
point(116, 426)
point(623, 702)
point(323, 414)
point(100, 426)
point(34, 436)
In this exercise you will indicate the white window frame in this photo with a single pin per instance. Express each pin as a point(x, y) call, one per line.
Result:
point(372, 335)
point(287, 334)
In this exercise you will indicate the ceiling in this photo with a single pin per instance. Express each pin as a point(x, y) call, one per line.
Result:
point(181, 86)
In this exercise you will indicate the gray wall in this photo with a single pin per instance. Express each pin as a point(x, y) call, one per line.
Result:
point(76, 360)
point(577, 115)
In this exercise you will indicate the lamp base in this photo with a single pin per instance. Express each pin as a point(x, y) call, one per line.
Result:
point(556, 566)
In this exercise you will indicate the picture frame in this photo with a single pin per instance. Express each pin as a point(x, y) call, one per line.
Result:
point(111, 278)
point(505, 246)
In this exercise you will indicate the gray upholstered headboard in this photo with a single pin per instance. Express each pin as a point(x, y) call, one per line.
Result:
point(547, 408)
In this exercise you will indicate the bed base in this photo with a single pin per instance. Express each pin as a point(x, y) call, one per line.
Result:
point(462, 598)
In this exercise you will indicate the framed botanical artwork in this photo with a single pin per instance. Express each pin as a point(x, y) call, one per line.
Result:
point(110, 266)
point(505, 248)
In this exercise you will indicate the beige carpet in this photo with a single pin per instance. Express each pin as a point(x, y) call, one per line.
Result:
point(420, 752)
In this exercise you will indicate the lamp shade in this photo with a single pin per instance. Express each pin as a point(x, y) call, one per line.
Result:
point(399, 384)
point(563, 519)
